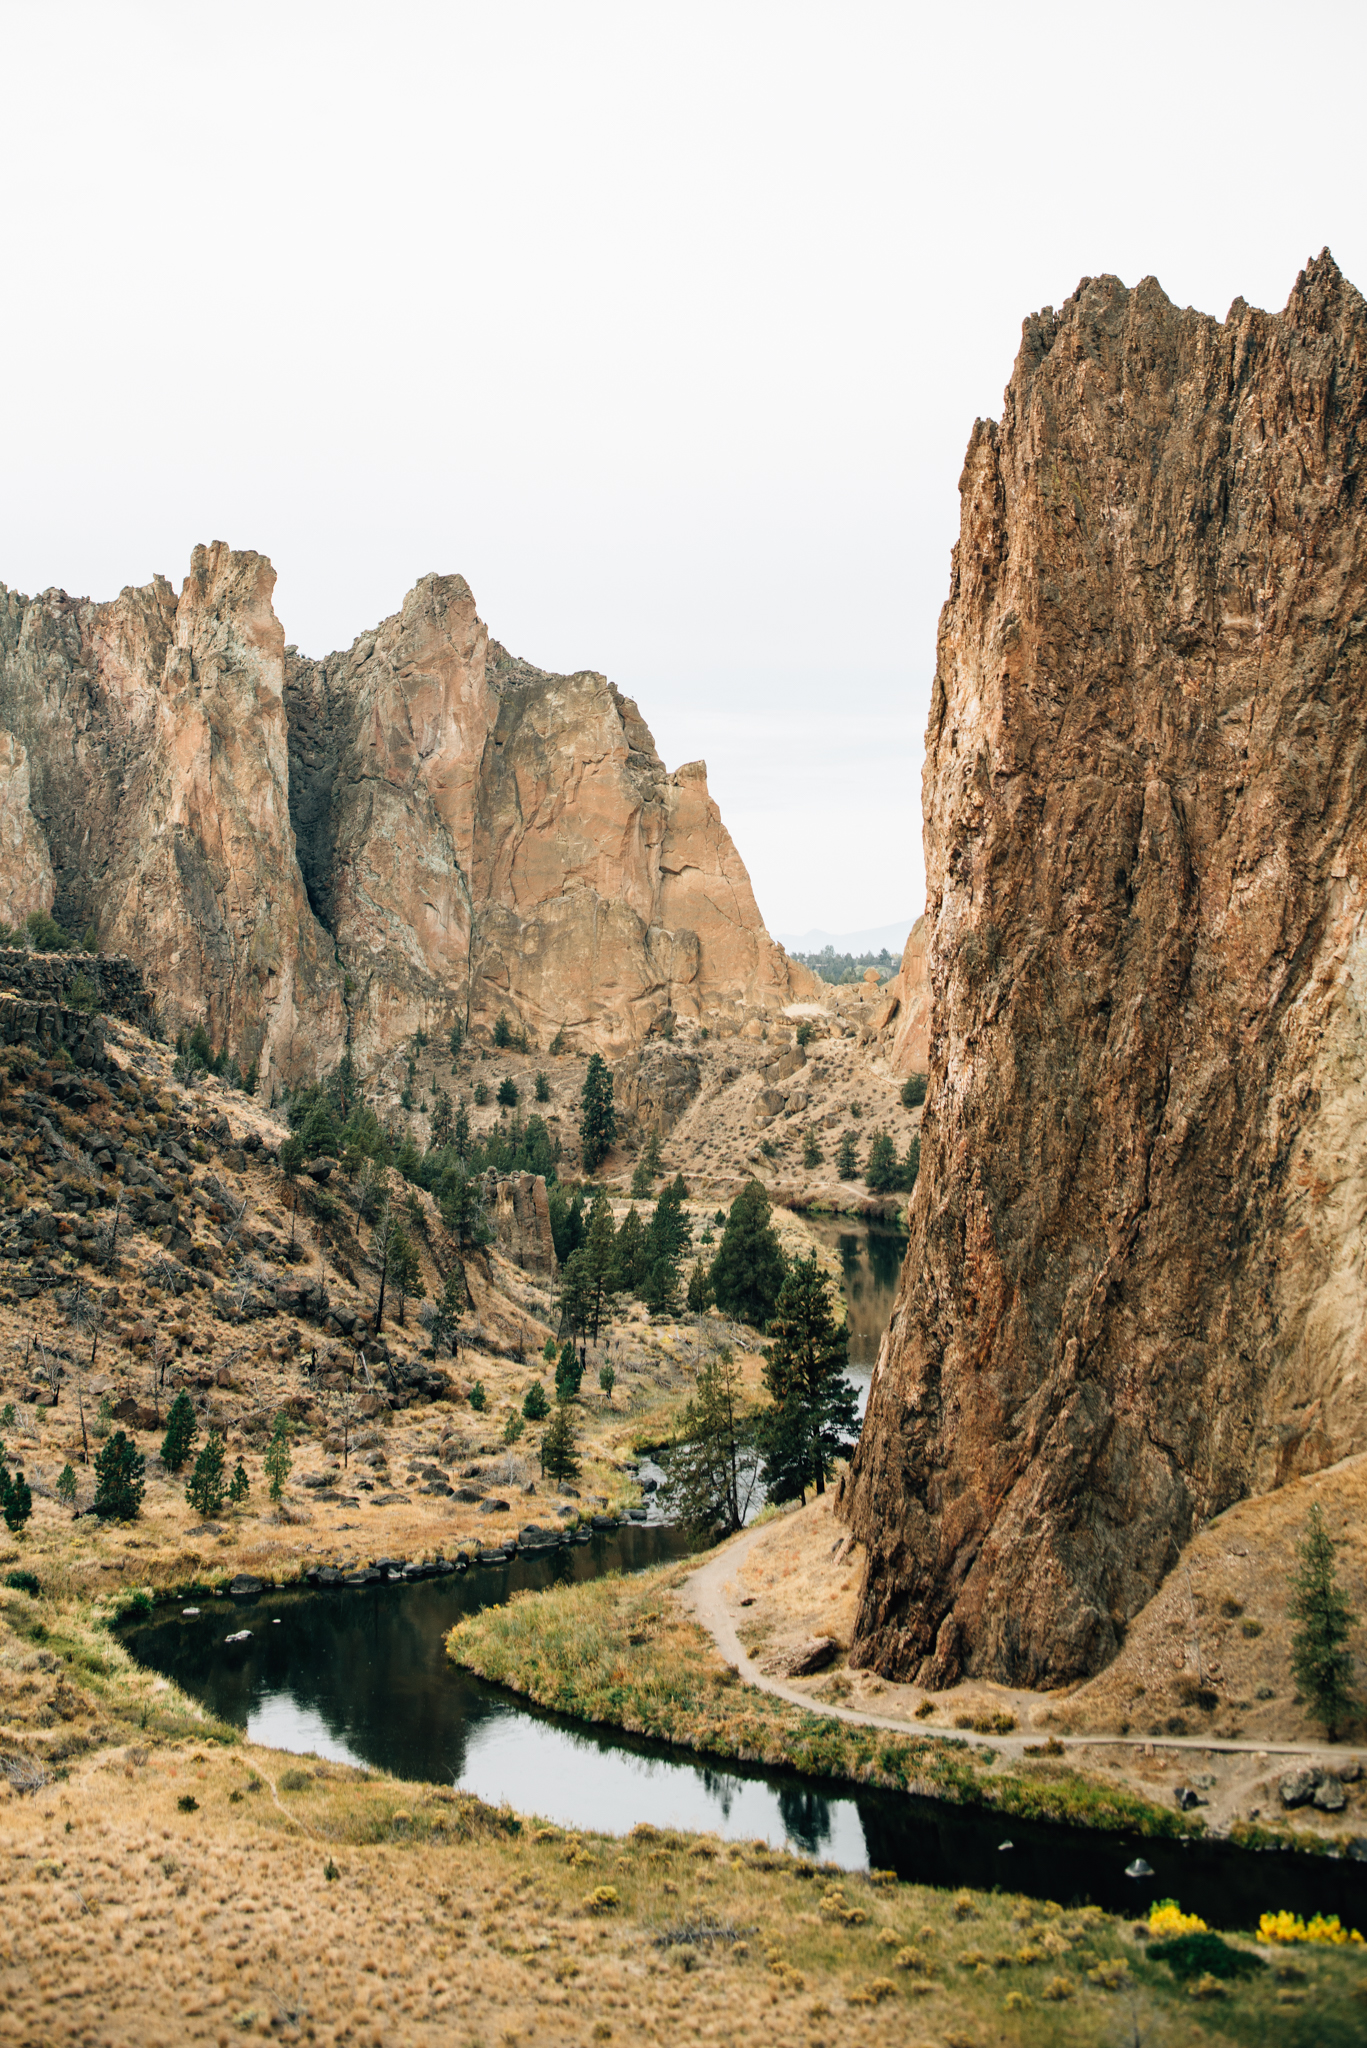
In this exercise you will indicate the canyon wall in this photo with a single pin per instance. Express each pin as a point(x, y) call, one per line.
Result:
point(1134, 1285)
point(316, 854)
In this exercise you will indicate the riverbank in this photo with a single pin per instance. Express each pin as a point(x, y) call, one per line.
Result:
point(178, 1894)
point(623, 1652)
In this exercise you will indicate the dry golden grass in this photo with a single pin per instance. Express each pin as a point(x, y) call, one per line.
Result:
point(130, 1917)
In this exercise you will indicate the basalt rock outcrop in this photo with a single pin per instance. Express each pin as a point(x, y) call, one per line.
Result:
point(320, 854)
point(1134, 1286)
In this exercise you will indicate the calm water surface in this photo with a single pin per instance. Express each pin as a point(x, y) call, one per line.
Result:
point(359, 1674)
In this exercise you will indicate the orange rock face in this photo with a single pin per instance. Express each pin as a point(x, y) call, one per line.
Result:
point(1133, 1291)
point(321, 854)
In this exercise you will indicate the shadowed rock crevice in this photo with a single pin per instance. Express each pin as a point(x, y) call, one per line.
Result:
point(1131, 1293)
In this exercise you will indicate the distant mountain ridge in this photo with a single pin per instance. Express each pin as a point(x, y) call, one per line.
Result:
point(893, 936)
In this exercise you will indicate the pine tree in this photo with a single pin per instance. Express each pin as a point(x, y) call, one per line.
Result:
point(513, 1427)
point(1319, 1657)
point(631, 1240)
point(535, 1406)
point(559, 1448)
point(239, 1487)
point(747, 1272)
point(607, 1377)
point(910, 1168)
point(814, 1418)
point(460, 1132)
point(206, 1486)
point(710, 1475)
point(119, 1479)
point(503, 1031)
point(576, 1294)
point(598, 1118)
point(463, 1208)
point(277, 1460)
point(600, 1264)
point(881, 1172)
point(811, 1151)
point(441, 1121)
point(16, 1499)
point(66, 1486)
point(699, 1298)
point(405, 1269)
point(541, 1086)
point(451, 1308)
point(667, 1240)
point(508, 1092)
point(479, 1400)
point(647, 1168)
point(569, 1374)
point(847, 1158)
point(181, 1430)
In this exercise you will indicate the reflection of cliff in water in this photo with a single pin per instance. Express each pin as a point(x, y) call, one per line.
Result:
point(871, 1257)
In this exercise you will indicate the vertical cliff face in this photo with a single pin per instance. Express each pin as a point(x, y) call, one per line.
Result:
point(315, 854)
point(1133, 1290)
point(158, 761)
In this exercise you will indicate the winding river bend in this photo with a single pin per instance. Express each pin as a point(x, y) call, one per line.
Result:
point(359, 1674)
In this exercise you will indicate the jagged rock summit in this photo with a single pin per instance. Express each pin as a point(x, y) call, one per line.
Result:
point(1134, 1286)
point(316, 854)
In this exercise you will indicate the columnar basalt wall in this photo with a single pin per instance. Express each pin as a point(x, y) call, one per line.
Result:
point(1133, 1291)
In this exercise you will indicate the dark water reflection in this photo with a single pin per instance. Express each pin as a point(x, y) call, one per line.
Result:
point(359, 1674)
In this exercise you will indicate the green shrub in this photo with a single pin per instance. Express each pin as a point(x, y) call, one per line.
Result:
point(1204, 1955)
point(914, 1091)
point(479, 1400)
point(23, 1582)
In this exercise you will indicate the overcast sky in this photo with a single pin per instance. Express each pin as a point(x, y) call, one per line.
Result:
point(665, 325)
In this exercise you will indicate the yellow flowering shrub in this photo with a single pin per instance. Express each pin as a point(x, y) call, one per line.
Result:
point(1290, 1927)
point(1167, 1918)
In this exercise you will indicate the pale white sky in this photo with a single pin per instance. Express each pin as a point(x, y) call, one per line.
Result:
point(665, 324)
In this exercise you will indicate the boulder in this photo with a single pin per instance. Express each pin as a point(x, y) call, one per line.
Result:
point(1298, 1787)
point(813, 1655)
point(1330, 1796)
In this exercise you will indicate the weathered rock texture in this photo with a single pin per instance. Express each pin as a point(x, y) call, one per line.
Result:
point(316, 854)
point(520, 1212)
point(1133, 1291)
point(158, 759)
point(903, 1025)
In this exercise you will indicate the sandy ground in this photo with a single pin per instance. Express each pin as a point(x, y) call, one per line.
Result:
point(775, 1588)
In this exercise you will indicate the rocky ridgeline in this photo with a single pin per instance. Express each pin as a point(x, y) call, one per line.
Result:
point(1133, 1292)
point(112, 985)
point(316, 855)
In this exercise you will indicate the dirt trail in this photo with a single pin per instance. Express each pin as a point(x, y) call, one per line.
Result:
point(705, 1593)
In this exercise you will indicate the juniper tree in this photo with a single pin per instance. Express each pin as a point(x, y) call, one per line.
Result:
point(630, 1251)
point(598, 1118)
point(881, 1168)
point(120, 1481)
point(814, 1416)
point(239, 1486)
point(569, 1374)
point(460, 1130)
point(535, 1406)
point(503, 1031)
point(559, 1449)
point(277, 1460)
point(600, 1264)
point(811, 1151)
point(711, 1474)
point(1319, 1655)
point(206, 1486)
point(541, 1086)
point(847, 1158)
point(913, 1091)
point(607, 1377)
point(576, 1294)
point(16, 1500)
point(479, 1400)
point(66, 1486)
point(181, 1430)
point(747, 1272)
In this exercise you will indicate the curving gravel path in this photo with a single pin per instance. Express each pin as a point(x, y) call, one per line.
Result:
point(704, 1593)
